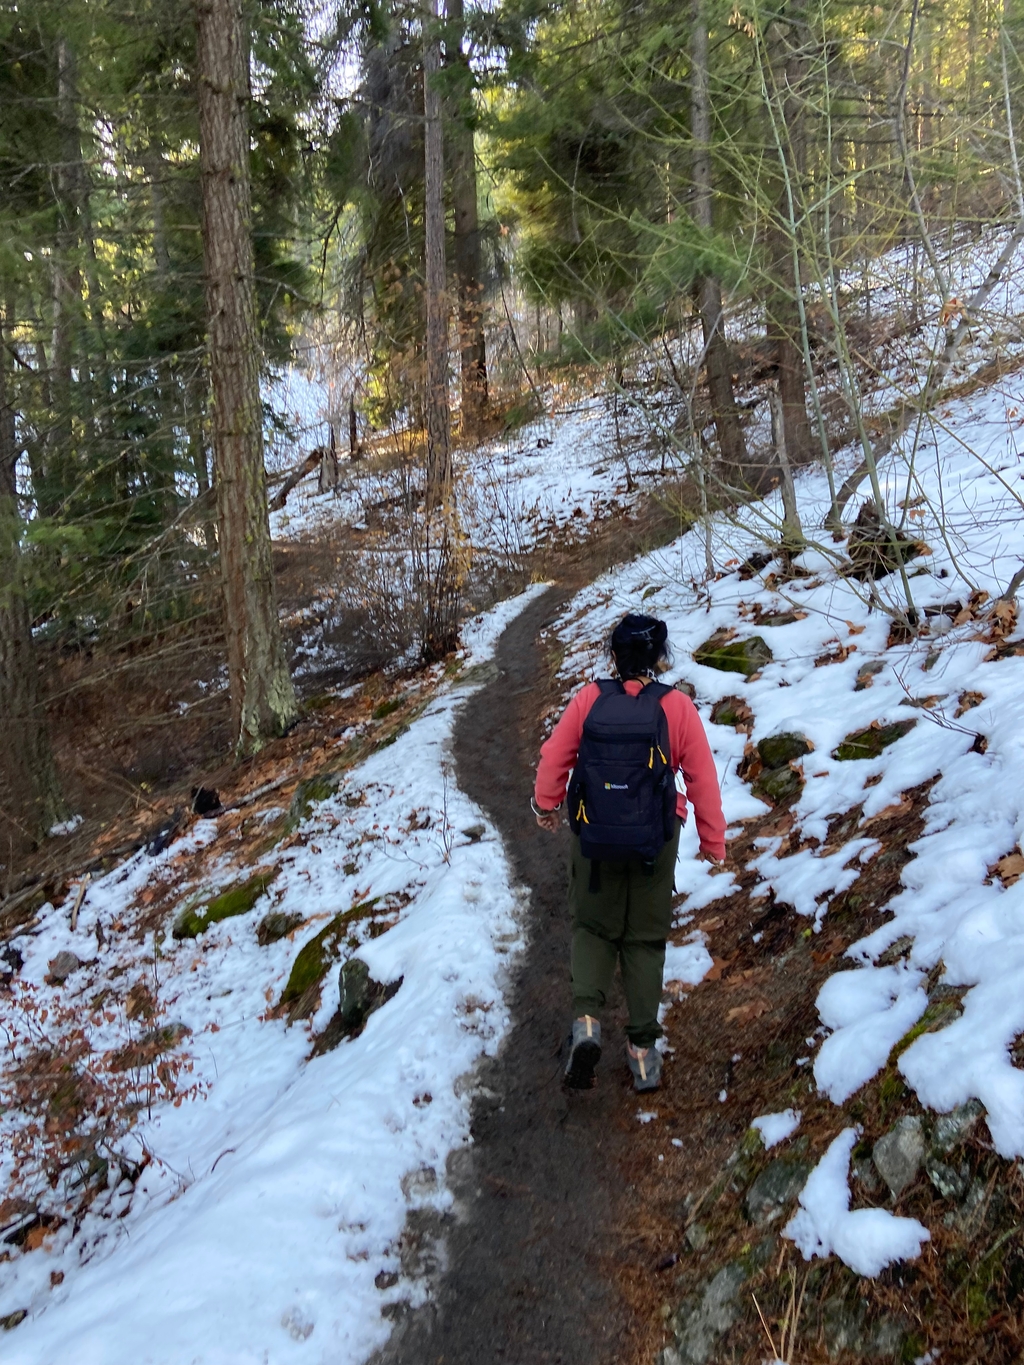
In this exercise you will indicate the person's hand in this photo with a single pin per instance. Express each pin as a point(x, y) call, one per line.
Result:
point(706, 856)
point(550, 820)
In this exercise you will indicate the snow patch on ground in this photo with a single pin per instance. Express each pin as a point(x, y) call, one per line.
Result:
point(276, 1194)
point(775, 1128)
point(867, 1240)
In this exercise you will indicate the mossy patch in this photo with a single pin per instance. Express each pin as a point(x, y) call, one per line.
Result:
point(869, 742)
point(237, 900)
point(777, 750)
point(385, 708)
point(309, 793)
point(317, 955)
point(779, 785)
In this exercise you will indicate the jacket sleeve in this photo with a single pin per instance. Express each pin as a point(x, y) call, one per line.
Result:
point(558, 752)
point(697, 764)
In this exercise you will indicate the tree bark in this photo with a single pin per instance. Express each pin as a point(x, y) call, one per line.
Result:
point(468, 262)
point(439, 576)
point(731, 445)
point(262, 698)
point(788, 64)
point(436, 397)
point(33, 799)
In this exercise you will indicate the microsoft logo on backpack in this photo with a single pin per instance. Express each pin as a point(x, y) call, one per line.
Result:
point(616, 786)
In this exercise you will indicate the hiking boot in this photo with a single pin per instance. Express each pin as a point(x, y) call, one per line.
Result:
point(645, 1064)
point(584, 1053)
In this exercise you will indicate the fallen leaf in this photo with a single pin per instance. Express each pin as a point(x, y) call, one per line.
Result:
point(1010, 869)
point(746, 1014)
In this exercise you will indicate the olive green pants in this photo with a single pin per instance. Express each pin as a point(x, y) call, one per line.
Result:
point(625, 918)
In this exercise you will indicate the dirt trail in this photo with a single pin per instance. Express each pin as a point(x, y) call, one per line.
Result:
point(527, 1278)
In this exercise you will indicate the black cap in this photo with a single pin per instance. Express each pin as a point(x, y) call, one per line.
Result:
point(642, 631)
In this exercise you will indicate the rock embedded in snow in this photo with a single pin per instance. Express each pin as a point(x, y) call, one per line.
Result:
point(276, 926)
point(778, 1185)
point(898, 1155)
point(869, 742)
point(360, 994)
point(776, 751)
point(778, 784)
point(731, 711)
point(735, 656)
point(62, 966)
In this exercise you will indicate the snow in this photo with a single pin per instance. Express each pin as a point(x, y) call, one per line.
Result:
point(688, 962)
point(867, 1240)
point(558, 473)
point(278, 1188)
point(775, 1128)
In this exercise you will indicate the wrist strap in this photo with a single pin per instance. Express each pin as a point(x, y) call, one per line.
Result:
point(538, 811)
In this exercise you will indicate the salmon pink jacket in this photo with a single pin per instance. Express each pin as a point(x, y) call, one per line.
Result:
point(691, 755)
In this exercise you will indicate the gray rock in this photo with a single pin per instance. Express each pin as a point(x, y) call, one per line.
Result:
point(969, 1218)
point(777, 1185)
point(777, 750)
point(864, 1172)
point(845, 1328)
point(276, 926)
point(952, 1128)
point(698, 1329)
point(842, 1325)
point(950, 1184)
point(697, 1236)
point(62, 966)
point(360, 994)
point(899, 1154)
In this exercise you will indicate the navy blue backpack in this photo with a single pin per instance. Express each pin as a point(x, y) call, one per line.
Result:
point(622, 795)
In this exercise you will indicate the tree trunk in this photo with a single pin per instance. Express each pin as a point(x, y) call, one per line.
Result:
point(439, 577)
point(438, 417)
point(67, 289)
point(731, 445)
point(468, 265)
point(32, 800)
point(355, 450)
point(262, 699)
point(788, 70)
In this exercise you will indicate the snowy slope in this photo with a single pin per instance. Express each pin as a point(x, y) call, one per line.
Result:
point(951, 910)
point(275, 1194)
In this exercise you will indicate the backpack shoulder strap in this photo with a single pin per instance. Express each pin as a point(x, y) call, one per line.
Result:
point(659, 690)
point(609, 686)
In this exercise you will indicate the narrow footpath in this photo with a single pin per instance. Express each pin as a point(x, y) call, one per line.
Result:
point(528, 1276)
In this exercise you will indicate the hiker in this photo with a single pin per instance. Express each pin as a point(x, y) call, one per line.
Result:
point(624, 740)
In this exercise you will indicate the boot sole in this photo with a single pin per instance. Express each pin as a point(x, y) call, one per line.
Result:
point(579, 1074)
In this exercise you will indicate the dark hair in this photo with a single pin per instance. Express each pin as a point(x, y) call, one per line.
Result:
point(639, 644)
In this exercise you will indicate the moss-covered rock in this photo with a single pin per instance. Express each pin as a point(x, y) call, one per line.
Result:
point(869, 742)
point(778, 785)
point(275, 926)
point(734, 656)
point(777, 750)
point(316, 957)
point(309, 793)
point(730, 711)
point(778, 1185)
point(238, 900)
